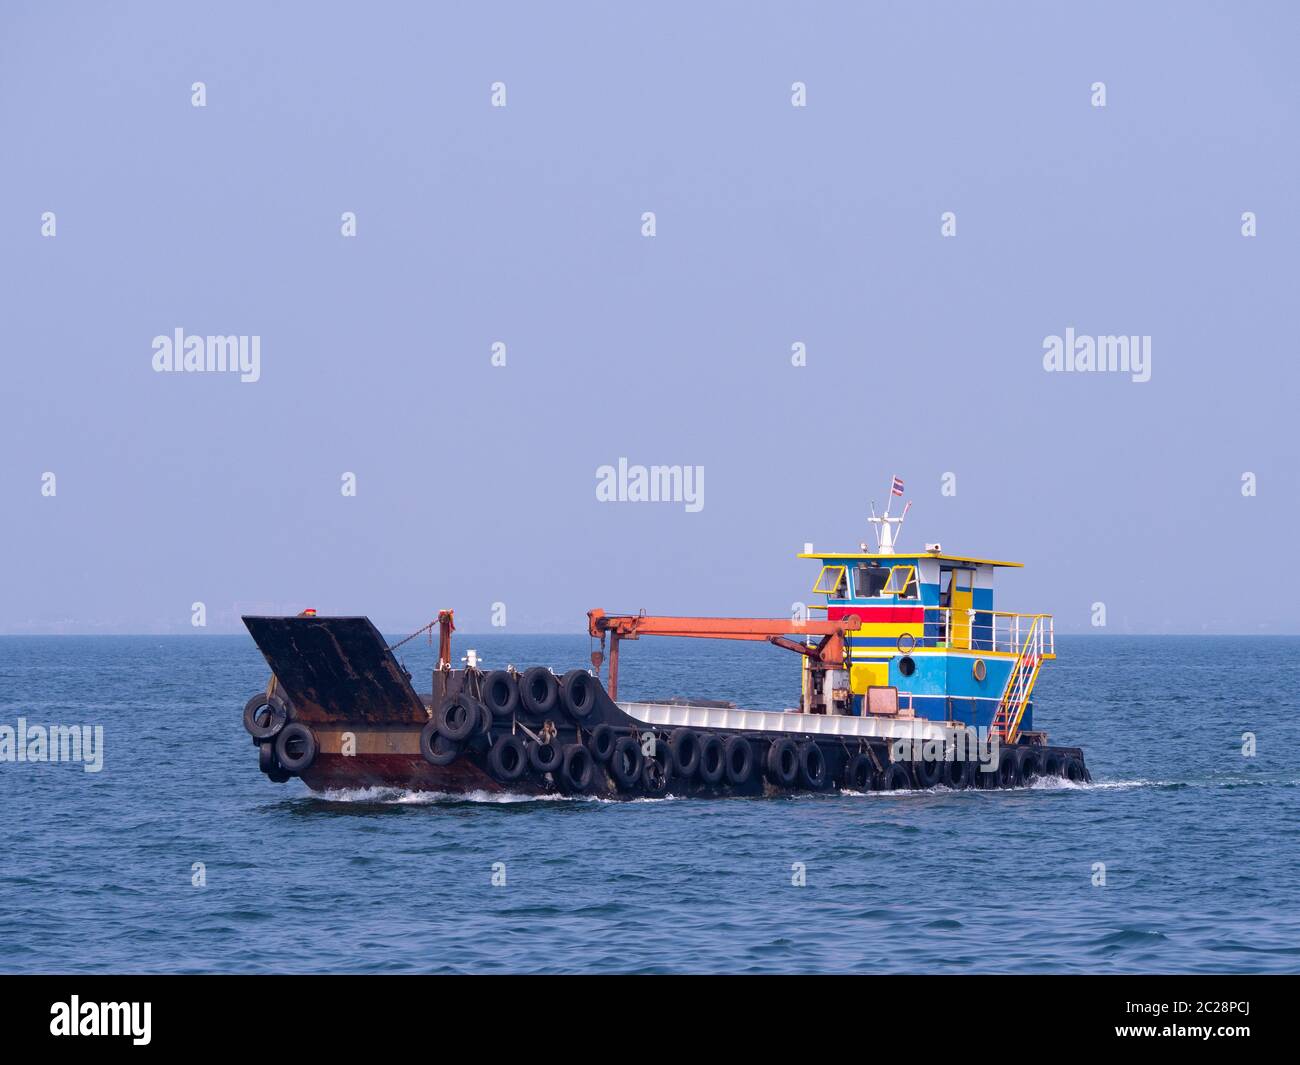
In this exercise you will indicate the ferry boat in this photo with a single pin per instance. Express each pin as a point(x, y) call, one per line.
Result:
point(909, 678)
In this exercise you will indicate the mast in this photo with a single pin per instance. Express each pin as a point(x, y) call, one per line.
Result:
point(887, 528)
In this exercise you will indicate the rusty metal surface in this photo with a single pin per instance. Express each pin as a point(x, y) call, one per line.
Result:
point(336, 669)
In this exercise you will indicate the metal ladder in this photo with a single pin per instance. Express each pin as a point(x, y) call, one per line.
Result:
point(1020, 685)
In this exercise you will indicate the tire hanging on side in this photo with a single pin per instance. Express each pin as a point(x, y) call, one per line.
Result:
point(500, 693)
point(896, 778)
point(1009, 768)
point(296, 748)
point(713, 762)
point(1031, 765)
point(577, 768)
point(539, 691)
point(686, 752)
point(435, 748)
point(267, 764)
point(1073, 771)
point(782, 762)
point(544, 757)
point(601, 743)
point(655, 775)
point(265, 726)
point(738, 756)
point(626, 763)
point(927, 772)
point(812, 766)
point(507, 759)
point(458, 716)
point(578, 694)
point(957, 773)
point(858, 772)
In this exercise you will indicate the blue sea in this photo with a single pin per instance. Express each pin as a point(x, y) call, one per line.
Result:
point(179, 856)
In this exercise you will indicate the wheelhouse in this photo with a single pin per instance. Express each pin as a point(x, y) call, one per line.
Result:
point(930, 631)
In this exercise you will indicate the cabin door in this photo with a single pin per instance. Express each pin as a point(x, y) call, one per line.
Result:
point(961, 600)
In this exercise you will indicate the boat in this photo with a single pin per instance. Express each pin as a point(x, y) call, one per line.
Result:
point(909, 678)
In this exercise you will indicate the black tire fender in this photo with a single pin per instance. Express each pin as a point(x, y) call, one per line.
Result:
point(625, 763)
point(500, 693)
point(578, 693)
point(738, 756)
point(858, 772)
point(276, 716)
point(812, 766)
point(435, 748)
point(686, 752)
point(1073, 770)
point(544, 757)
point(296, 748)
point(957, 773)
point(896, 778)
point(539, 691)
point(267, 764)
point(1009, 768)
point(655, 777)
point(782, 762)
point(601, 743)
point(577, 768)
point(713, 763)
point(507, 759)
point(458, 717)
point(927, 772)
point(664, 756)
point(1031, 764)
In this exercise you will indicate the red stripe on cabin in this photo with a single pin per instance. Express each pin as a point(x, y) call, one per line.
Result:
point(872, 615)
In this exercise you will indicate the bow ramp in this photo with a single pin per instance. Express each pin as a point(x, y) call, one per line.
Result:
point(336, 669)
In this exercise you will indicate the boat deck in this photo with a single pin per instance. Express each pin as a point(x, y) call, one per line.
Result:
point(738, 720)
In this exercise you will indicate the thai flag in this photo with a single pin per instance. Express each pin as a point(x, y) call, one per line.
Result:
point(897, 490)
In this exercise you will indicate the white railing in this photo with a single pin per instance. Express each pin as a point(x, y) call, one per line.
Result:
point(988, 630)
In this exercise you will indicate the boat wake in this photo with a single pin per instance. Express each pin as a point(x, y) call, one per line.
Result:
point(406, 797)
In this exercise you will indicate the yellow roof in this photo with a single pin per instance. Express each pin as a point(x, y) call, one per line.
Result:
point(823, 555)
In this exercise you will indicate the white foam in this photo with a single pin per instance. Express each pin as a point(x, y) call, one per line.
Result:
point(407, 797)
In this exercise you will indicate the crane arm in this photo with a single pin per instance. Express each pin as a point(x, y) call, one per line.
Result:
point(828, 652)
point(631, 626)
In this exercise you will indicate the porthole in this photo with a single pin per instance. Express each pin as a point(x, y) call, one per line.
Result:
point(907, 665)
point(979, 670)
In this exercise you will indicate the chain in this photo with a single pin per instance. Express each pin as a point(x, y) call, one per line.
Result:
point(427, 628)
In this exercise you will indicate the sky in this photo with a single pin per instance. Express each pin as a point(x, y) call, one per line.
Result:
point(475, 483)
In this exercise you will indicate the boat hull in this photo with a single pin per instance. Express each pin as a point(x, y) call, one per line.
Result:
point(358, 723)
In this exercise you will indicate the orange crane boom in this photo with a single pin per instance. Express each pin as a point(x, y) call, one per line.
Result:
point(828, 653)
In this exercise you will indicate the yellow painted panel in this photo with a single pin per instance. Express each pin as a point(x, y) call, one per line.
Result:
point(862, 677)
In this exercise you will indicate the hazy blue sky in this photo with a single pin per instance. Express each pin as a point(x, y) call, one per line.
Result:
point(775, 224)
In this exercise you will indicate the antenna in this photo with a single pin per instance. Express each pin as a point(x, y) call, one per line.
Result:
point(887, 528)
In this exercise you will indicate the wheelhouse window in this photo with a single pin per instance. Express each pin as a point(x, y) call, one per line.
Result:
point(901, 582)
point(869, 580)
point(832, 581)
